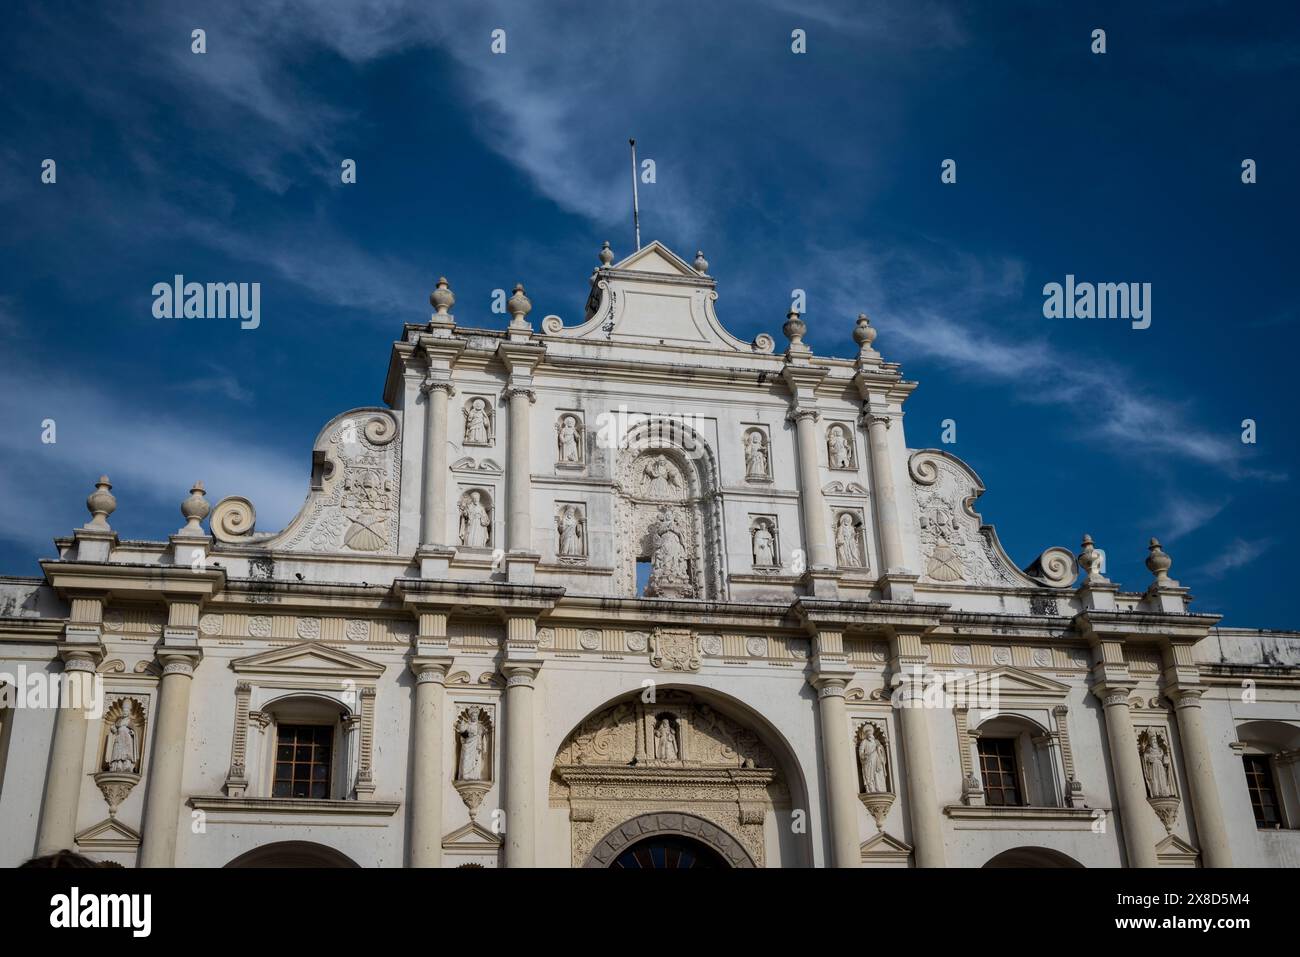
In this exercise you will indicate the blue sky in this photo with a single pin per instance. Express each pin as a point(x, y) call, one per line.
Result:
point(817, 171)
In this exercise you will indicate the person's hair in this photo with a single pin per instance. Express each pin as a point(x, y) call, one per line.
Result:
point(65, 858)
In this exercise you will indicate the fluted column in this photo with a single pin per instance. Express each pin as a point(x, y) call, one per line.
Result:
point(519, 534)
point(1210, 829)
point(163, 792)
point(812, 504)
point(521, 823)
point(66, 770)
point(433, 514)
point(841, 775)
point(882, 480)
point(424, 846)
point(1136, 815)
point(907, 661)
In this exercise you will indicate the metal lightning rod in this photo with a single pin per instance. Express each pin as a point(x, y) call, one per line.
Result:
point(636, 209)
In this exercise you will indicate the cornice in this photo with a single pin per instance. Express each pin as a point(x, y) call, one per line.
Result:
point(133, 581)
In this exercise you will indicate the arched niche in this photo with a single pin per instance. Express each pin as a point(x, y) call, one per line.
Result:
point(666, 481)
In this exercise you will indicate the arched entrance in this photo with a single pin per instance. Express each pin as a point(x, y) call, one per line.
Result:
point(668, 841)
point(1032, 857)
point(690, 765)
point(293, 854)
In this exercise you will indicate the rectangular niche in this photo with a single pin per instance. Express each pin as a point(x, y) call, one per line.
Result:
point(756, 452)
point(841, 446)
point(474, 516)
point(571, 533)
point(570, 441)
point(764, 543)
point(849, 538)
point(478, 418)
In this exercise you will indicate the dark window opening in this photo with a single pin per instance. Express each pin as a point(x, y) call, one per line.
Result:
point(1000, 771)
point(302, 760)
point(1263, 793)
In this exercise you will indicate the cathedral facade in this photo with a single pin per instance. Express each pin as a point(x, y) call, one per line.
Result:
point(630, 592)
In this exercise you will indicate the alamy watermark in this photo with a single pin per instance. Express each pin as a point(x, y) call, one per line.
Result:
point(59, 689)
point(214, 300)
point(1103, 300)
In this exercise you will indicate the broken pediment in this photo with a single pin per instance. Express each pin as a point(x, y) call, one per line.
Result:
point(309, 658)
point(654, 297)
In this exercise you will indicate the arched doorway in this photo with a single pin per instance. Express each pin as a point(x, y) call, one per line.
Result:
point(668, 854)
point(668, 841)
point(293, 854)
point(690, 764)
point(1032, 857)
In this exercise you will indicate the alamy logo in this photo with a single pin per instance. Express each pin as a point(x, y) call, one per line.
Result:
point(1103, 300)
point(214, 300)
point(103, 910)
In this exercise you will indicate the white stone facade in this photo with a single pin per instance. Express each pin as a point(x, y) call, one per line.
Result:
point(581, 594)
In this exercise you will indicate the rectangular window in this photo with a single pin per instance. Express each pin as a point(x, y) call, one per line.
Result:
point(1000, 772)
point(1263, 795)
point(302, 760)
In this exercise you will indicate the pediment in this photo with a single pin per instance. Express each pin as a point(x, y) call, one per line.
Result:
point(1012, 683)
point(1173, 850)
point(309, 658)
point(108, 834)
point(884, 848)
point(471, 837)
point(656, 258)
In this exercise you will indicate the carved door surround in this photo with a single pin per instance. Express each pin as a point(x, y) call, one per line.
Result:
point(715, 782)
point(666, 476)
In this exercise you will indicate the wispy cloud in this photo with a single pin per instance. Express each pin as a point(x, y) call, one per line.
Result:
point(1237, 554)
point(1182, 516)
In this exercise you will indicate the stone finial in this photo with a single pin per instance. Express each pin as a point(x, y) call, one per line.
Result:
point(1158, 562)
point(101, 503)
point(195, 509)
point(442, 298)
point(701, 264)
point(794, 330)
point(864, 334)
point(519, 306)
point(606, 254)
point(1090, 561)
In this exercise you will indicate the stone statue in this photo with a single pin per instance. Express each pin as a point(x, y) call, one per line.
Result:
point(473, 733)
point(666, 748)
point(478, 424)
point(1157, 767)
point(755, 456)
point(838, 448)
point(119, 750)
point(764, 544)
point(568, 439)
point(847, 553)
point(872, 760)
point(660, 479)
point(571, 532)
point(475, 522)
point(669, 560)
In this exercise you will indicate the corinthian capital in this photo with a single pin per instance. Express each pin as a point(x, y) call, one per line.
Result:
point(514, 390)
point(798, 412)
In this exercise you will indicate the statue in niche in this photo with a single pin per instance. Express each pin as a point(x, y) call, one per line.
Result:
point(568, 437)
point(838, 448)
point(475, 522)
point(873, 759)
point(1157, 766)
point(847, 552)
point(478, 423)
point(660, 479)
point(572, 532)
point(473, 731)
point(668, 563)
point(666, 745)
point(120, 750)
point(756, 460)
point(764, 543)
